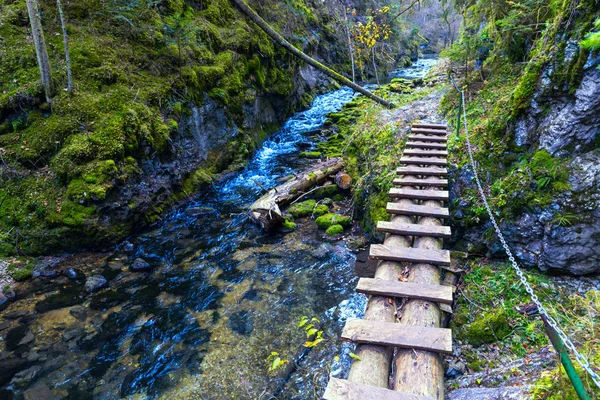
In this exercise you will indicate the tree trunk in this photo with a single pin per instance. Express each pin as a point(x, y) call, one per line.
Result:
point(304, 57)
point(375, 65)
point(349, 41)
point(40, 47)
point(66, 45)
point(343, 180)
point(265, 211)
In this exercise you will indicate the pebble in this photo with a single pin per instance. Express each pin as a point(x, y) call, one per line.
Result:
point(456, 369)
point(79, 313)
point(128, 247)
point(71, 273)
point(94, 283)
point(139, 265)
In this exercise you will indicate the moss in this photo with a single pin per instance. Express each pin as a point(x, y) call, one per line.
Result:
point(325, 191)
point(490, 327)
point(311, 154)
point(321, 209)
point(338, 197)
point(302, 209)
point(20, 271)
point(335, 230)
point(196, 180)
point(327, 220)
point(288, 225)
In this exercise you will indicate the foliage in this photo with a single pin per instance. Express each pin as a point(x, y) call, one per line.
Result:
point(592, 39)
point(275, 361)
point(311, 328)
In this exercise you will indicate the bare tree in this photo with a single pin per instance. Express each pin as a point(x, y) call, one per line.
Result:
point(250, 13)
point(66, 45)
point(40, 47)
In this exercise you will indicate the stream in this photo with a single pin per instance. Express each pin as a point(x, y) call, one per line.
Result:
point(216, 300)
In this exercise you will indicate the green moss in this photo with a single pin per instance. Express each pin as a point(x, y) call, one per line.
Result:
point(338, 197)
point(302, 209)
point(288, 225)
point(321, 209)
point(488, 328)
point(327, 220)
point(20, 271)
point(311, 154)
point(335, 230)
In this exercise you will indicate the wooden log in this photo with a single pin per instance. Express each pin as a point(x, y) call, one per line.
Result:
point(380, 287)
point(430, 126)
point(266, 212)
point(398, 335)
point(343, 180)
point(340, 389)
point(418, 371)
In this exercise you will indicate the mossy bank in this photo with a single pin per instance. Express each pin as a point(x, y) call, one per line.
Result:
point(167, 96)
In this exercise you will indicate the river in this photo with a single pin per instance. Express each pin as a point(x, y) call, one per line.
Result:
point(220, 298)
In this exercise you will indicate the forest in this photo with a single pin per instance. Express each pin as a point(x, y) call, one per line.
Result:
point(220, 199)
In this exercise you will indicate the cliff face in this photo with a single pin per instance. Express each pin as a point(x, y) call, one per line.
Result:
point(536, 133)
point(167, 96)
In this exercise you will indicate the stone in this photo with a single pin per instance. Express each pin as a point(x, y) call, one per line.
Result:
point(455, 369)
point(72, 333)
point(95, 282)
point(79, 313)
point(22, 379)
point(497, 393)
point(39, 392)
point(139, 265)
point(3, 299)
point(70, 273)
point(199, 211)
point(16, 314)
point(128, 247)
point(14, 337)
point(241, 322)
point(4, 325)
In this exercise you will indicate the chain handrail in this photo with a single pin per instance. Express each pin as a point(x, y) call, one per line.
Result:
point(585, 364)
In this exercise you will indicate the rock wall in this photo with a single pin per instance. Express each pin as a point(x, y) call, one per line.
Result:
point(566, 125)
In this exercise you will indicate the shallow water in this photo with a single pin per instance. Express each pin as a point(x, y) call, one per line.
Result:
point(220, 298)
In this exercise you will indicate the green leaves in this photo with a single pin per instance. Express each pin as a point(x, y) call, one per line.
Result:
point(354, 356)
point(277, 361)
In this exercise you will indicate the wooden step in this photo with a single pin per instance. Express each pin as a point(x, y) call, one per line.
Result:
point(430, 126)
point(423, 160)
point(418, 194)
point(409, 254)
point(429, 131)
point(428, 138)
point(421, 291)
point(341, 389)
point(398, 335)
point(426, 153)
point(431, 171)
point(417, 210)
point(410, 181)
point(425, 145)
point(414, 229)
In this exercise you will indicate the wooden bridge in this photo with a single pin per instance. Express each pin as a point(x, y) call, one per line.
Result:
point(401, 338)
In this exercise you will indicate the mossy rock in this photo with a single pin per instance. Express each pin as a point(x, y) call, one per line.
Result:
point(302, 209)
point(321, 209)
point(311, 154)
point(327, 220)
point(326, 192)
point(335, 230)
point(288, 226)
point(489, 328)
point(20, 271)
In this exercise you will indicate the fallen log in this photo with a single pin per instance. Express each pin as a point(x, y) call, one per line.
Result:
point(266, 212)
point(343, 180)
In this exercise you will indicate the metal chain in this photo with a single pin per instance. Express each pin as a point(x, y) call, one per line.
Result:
point(585, 364)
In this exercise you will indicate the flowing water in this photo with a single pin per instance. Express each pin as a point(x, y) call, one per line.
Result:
point(220, 298)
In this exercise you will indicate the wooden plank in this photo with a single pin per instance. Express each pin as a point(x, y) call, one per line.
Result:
point(425, 145)
point(424, 161)
point(412, 170)
point(420, 211)
point(425, 152)
point(417, 194)
point(411, 181)
point(414, 229)
point(429, 131)
point(341, 389)
point(428, 138)
point(382, 287)
point(398, 335)
point(412, 255)
point(431, 126)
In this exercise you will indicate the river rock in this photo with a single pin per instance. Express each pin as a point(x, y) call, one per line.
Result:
point(199, 211)
point(3, 299)
point(95, 282)
point(79, 313)
point(22, 379)
point(241, 322)
point(39, 392)
point(139, 265)
point(17, 337)
point(455, 369)
point(72, 333)
point(128, 247)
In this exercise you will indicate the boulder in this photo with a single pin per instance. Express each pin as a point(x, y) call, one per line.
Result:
point(94, 283)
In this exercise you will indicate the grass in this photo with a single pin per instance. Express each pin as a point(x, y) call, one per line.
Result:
point(491, 292)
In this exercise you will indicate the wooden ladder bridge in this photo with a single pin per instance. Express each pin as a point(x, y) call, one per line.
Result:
point(401, 339)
